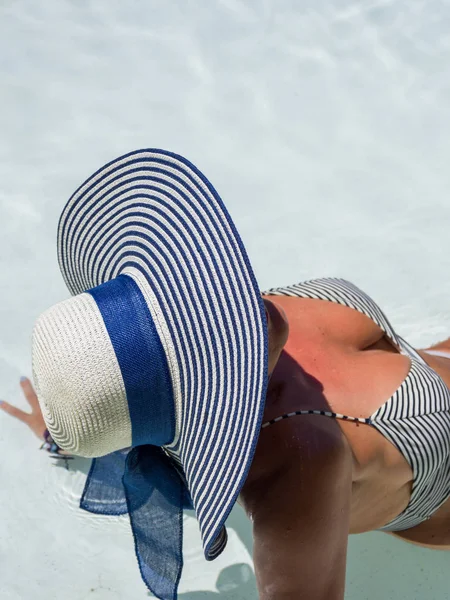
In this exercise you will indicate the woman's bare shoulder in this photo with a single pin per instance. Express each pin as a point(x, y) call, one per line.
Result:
point(286, 445)
point(288, 448)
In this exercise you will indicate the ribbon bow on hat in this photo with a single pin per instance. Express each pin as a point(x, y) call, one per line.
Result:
point(157, 366)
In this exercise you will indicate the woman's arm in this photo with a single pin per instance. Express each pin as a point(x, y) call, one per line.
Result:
point(301, 521)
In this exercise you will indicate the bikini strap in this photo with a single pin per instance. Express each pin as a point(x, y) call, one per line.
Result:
point(318, 412)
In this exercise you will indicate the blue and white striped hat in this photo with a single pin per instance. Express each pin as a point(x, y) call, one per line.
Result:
point(157, 366)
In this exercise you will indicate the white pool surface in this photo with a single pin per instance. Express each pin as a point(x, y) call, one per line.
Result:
point(325, 127)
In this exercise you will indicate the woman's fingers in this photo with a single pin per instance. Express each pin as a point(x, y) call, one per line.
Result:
point(15, 412)
point(30, 394)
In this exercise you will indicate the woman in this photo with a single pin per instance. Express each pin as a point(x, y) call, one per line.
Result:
point(355, 438)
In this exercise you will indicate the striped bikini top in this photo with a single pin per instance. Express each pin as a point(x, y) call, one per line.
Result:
point(416, 419)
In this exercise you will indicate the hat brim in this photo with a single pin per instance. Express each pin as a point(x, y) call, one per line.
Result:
point(154, 212)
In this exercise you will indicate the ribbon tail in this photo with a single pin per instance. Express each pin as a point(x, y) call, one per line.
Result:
point(155, 496)
point(103, 492)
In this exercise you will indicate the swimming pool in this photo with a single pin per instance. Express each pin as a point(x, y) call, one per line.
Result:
point(324, 128)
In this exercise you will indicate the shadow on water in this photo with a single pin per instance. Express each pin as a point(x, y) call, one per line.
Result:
point(233, 583)
point(75, 464)
point(237, 581)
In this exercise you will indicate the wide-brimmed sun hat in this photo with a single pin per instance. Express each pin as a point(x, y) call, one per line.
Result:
point(157, 366)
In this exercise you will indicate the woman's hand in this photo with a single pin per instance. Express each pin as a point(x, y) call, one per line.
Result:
point(35, 420)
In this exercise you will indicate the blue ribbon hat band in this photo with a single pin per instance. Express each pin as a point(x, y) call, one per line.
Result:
point(151, 216)
point(141, 359)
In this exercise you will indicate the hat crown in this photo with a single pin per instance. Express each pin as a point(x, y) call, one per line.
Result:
point(78, 380)
point(101, 372)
